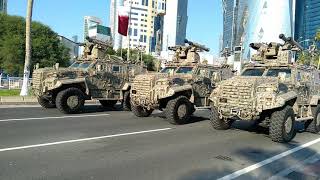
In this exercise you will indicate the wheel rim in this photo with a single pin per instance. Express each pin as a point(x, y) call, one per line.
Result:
point(288, 125)
point(182, 110)
point(73, 101)
point(318, 119)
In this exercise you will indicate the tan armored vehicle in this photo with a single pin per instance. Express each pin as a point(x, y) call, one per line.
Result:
point(96, 75)
point(273, 92)
point(183, 84)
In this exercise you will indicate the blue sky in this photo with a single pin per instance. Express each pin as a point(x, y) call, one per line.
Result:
point(66, 17)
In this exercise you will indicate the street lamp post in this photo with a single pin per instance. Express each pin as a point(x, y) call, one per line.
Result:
point(26, 71)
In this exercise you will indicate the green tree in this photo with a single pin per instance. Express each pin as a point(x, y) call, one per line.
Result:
point(46, 47)
point(135, 57)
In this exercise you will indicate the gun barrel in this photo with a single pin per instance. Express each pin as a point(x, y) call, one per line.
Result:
point(199, 46)
point(284, 38)
point(291, 41)
point(255, 46)
point(295, 43)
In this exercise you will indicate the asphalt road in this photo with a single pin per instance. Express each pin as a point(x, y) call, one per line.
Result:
point(110, 144)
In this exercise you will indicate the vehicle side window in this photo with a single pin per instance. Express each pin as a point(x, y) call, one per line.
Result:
point(253, 72)
point(202, 72)
point(116, 69)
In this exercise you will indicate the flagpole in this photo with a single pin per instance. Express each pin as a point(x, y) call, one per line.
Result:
point(128, 34)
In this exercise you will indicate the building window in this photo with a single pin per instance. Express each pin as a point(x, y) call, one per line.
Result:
point(130, 31)
point(135, 32)
point(141, 38)
point(116, 69)
point(144, 38)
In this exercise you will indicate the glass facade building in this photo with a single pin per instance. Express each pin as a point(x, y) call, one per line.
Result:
point(228, 23)
point(234, 14)
point(3, 6)
point(307, 21)
point(266, 20)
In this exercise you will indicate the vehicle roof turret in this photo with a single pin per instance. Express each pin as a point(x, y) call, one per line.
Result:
point(275, 53)
point(187, 54)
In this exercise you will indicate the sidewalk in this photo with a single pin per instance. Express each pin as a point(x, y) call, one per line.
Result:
point(27, 100)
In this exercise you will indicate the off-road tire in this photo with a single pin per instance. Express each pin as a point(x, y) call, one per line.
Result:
point(108, 103)
point(62, 98)
point(311, 126)
point(126, 105)
point(140, 111)
point(218, 123)
point(277, 128)
point(45, 103)
point(172, 110)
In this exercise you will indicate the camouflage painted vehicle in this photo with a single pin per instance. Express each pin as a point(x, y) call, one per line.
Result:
point(189, 84)
point(273, 93)
point(96, 75)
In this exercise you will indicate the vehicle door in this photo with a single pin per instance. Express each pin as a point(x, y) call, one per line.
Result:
point(303, 80)
point(202, 85)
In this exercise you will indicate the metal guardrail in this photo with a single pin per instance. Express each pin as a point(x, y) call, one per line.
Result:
point(12, 82)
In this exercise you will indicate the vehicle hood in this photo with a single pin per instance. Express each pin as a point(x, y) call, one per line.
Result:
point(69, 73)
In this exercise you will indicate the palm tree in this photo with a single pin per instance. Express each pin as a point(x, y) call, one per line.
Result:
point(26, 72)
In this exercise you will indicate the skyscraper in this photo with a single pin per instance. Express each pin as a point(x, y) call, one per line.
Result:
point(90, 21)
point(234, 16)
point(228, 23)
point(175, 23)
point(3, 6)
point(307, 21)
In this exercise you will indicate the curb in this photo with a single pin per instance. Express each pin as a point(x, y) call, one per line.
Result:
point(28, 100)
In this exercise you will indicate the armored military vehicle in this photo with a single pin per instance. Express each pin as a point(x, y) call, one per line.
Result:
point(272, 92)
point(182, 85)
point(96, 75)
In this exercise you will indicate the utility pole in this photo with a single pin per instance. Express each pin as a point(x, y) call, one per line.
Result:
point(26, 71)
point(128, 52)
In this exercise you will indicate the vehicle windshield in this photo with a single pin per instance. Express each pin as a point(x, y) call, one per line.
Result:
point(185, 70)
point(253, 72)
point(275, 72)
point(168, 70)
point(83, 65)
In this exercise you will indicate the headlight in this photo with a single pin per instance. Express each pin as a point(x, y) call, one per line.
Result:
point(162, 83)
point(52, 75)
point(265, 89)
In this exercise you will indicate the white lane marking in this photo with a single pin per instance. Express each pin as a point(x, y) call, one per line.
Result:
point(17, 106)
point(268, 161)
point(57, 117)
point(82, 140)
point(296, 167)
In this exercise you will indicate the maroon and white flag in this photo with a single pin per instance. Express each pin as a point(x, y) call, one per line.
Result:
point(123, 20)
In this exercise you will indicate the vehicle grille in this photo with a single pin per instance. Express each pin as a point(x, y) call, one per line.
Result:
point(236, 97)
point(142, 86)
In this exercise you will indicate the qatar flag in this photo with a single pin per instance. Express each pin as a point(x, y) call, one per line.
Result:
point(123, 20)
